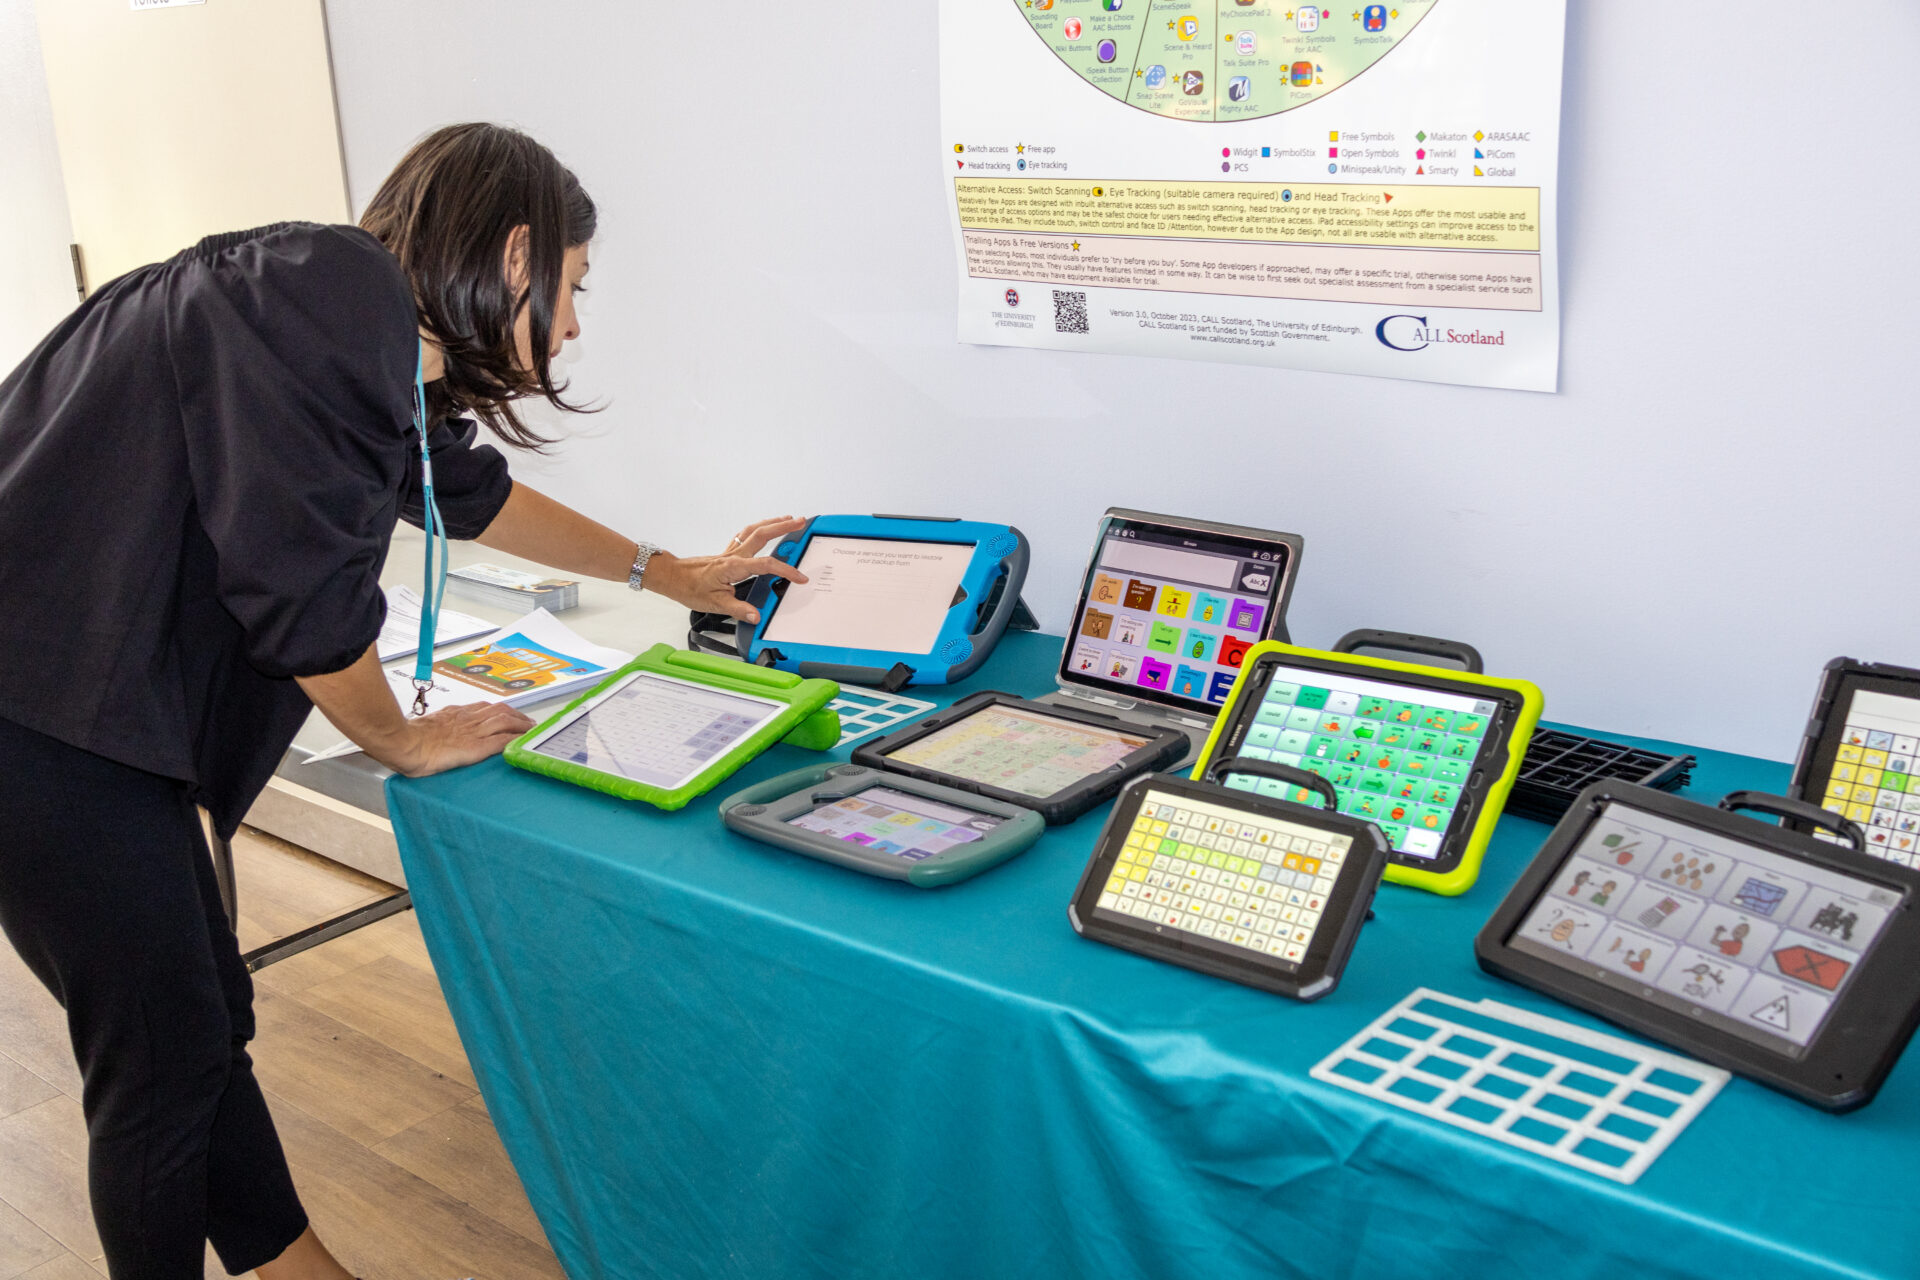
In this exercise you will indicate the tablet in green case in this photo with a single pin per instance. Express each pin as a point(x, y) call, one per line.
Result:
point(671, 724)
point(1428, 753)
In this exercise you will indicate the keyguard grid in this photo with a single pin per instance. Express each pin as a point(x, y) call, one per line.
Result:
point(864, 712)
point(1591, 1101)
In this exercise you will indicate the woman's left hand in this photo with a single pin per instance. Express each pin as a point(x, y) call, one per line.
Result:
point(706, 582)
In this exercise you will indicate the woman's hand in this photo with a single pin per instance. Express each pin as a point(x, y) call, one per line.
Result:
point(360, 703)
point(706, 582)
point(453, 736)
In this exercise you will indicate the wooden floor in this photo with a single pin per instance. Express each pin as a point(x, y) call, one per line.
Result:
point(391, 1147)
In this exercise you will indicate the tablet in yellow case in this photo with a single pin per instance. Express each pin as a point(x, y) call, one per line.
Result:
point(1428, 753)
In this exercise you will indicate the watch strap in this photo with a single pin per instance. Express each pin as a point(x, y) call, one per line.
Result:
point(637, 575)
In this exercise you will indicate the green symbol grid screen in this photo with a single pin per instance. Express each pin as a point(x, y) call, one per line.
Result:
point(1397, 755)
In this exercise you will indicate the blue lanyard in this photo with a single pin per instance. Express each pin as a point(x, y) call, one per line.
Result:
point(434, 583)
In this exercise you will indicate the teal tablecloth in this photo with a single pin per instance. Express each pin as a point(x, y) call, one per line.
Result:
point(711, 1058)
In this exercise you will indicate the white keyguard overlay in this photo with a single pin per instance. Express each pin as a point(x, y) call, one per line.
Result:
point(1633, 1101)
point(865, 712)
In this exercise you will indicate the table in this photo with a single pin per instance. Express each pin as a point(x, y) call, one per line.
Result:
point(708, 1057)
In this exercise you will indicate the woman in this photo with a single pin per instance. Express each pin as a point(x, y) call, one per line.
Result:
point(200, 470)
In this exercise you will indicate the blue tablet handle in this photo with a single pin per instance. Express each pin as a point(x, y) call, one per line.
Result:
point(1797, 811)
point(1249, 767)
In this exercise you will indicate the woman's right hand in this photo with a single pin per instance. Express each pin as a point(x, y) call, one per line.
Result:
point(455, 736)
point(361, 705)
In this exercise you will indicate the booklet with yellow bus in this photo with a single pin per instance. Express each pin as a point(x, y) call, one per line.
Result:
point(528, 660)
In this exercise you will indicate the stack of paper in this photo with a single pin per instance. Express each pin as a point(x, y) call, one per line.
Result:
point(400, 634)
point(513, 589)
point(531, 660)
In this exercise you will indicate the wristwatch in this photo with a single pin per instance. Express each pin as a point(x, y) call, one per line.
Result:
point(637, 576)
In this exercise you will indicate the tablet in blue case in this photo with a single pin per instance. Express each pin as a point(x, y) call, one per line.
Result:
point(890, 600)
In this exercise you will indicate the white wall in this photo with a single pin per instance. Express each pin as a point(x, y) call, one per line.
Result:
point(1724, 494)
point(184, 120)
point(36, 275)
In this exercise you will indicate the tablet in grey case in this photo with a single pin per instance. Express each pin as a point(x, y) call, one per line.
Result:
point(884, 824)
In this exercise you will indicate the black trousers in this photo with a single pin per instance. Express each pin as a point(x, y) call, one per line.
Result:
point(107, 892)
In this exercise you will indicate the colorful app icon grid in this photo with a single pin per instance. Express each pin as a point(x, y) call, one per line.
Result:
point(1200, 635)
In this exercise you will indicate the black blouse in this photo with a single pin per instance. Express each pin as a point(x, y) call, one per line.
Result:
point(200, 470)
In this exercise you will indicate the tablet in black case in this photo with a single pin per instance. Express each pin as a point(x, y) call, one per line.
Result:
point(1861, 755)
point(1059, 761)
point(1263, 891)
point(1761, 949)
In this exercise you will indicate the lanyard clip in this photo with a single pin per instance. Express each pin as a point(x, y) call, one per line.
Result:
point(433, 584)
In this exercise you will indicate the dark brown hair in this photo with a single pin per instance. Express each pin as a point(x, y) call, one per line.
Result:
point(446, 212)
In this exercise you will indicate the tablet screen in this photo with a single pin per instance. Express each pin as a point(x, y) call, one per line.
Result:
point(1398, 755)
point(1168, 615)
point(888, 821)
point(656, 729)
point(1021, 750)
point(1742, 938)
point(1871, 776)
point(871, 593)
point(1239, 882)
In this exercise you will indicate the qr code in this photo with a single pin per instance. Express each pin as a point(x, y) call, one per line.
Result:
point(1069, 311)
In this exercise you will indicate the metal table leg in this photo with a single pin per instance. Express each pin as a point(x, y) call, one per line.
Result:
point(327, 930)
point(305, 939)
point(223, 874)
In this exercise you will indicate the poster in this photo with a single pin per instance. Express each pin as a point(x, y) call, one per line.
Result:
point(1367, 189)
